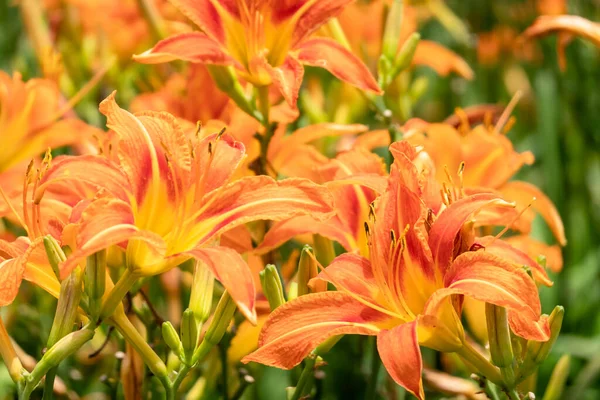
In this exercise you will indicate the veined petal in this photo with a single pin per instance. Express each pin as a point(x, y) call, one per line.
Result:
point(330, 55)
point(11, 275)
point(285, 230)
point(523, 193)
point(234, 274)
point(441, 59)
point(534, 248)
point(531, 330)
point(294, 329)
point(450, 222)
point(194, 47)
point(287, 78)
point(83, 176)
point(401, 356)
point(216, 160)
point(318, 13)
point(574, 24)
point(205, 15)
point(488, 278)
point(504, 250)
point(260, 197)
point(357, 161)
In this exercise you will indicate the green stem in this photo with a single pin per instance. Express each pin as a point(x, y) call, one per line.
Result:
point(56, 354)
point(307, 373)
point(117, 294)
point(153, 17)
point(481, 364)
point(223, 355)
point(172, 391)
point(133, 337)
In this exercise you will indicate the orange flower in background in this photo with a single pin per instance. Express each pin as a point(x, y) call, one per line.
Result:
point(354, 178)
point(267, 42)
point(170, 199)
point(402, 293)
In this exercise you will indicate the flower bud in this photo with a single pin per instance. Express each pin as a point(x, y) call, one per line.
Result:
point(172, 340)
point(556, 386)
point(324, 250)
point(66, 308)
point(538, 351)
point(272, 287)
point(189, 334)
point(54, 253)
point(202, 292)
point(95, 281)
point(406, 54)
point(499, 335)
point(393, 26)
point(307, 269)
point(219, 324)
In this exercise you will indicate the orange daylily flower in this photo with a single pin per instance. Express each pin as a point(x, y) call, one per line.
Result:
point(354, 178)
point(266, 41)
point(402, 292)
point(170, 199)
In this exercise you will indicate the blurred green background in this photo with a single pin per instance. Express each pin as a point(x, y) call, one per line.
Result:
point(558, 119)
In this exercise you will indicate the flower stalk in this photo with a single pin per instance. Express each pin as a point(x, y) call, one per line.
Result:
point(500, 342)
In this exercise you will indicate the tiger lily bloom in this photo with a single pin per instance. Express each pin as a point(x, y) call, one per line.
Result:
point(405, 292)
point(170, 199)
point(267, 42)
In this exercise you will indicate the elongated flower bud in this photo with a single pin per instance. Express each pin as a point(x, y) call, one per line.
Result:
point(406, 54)
point(393, 26)
point(307, 269)
point(272, 287)
point(324, 250)
point(499, 335)
point(172, 340)
point(556, 386)
point(538, 351)
point(202, 292)
point(219, 324)
point(95, 281)
point(54, 253)
point(66, 309)
point(189, 334)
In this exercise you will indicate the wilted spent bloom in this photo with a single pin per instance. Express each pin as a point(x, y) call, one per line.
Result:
point(267, 42)
point(405, 292)
point(170, 197)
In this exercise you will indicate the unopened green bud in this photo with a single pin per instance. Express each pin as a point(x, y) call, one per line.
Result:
point(95, 281)
point(406, 54)
point(307, 269)
point(393, 26)
point(538, 351)
point(556, 386)
point(499, 335)
point(324, 250)
point(202, 292)
point(54, 253)
point(219, 324)
point(418, 88)
point(66, 308)
point(272, 287)
point(226, 81)
point(172, 340)
point(189, 334)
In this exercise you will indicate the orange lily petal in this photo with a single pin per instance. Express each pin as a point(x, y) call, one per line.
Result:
point(194, 47)
point(329, 54)
point(535, 248)
point(261, 197)
point(318, 13)
point(450, 222)
point(11, 275)
point(523, 193)
point(475, 115)
point(204, 14)
point(294, 329)
point(441, 59)
point(401, 356)
point(488, 278)
point(234, 274)
point(504, 250)
point(287, 78)
point(574, 24)
point(531, 330)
